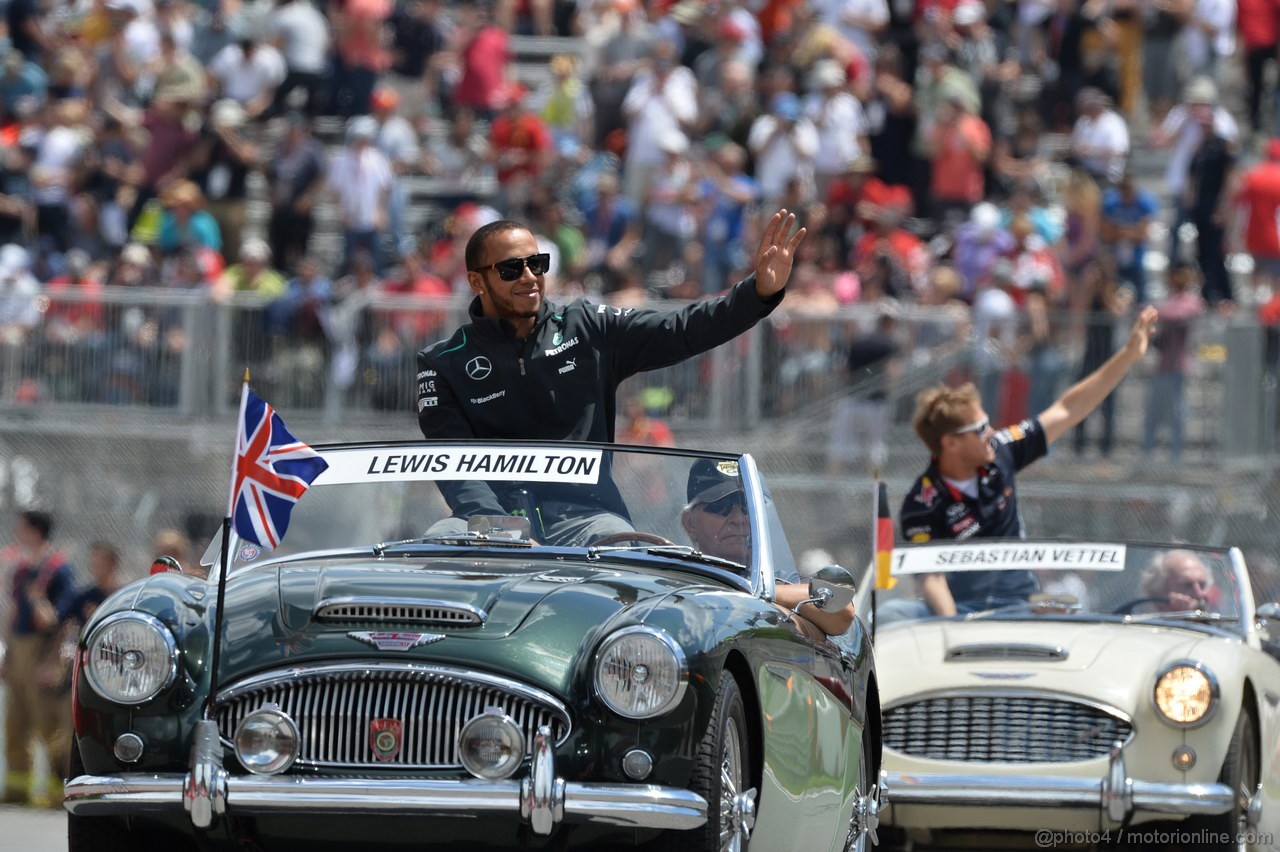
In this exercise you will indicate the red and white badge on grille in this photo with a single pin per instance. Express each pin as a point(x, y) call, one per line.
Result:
point(384, 739)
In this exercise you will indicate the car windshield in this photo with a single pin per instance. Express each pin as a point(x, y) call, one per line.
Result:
point(708, 509)
point(1094, 581)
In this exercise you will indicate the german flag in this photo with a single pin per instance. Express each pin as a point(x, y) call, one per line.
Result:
point(884, 539)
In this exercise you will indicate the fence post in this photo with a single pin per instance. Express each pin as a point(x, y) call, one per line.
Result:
point(753, 379)
point(1244, 392)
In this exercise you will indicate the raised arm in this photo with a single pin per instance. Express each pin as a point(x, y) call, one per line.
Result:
point(1087, 394)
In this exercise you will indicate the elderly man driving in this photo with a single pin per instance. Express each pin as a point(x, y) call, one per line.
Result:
point(715, 519)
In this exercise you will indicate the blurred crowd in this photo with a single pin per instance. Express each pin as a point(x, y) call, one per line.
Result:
point(971, 156)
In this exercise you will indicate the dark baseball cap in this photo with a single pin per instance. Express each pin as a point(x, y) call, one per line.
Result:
point(709, 480)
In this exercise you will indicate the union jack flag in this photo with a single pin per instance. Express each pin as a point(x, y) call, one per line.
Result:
point(273, 470)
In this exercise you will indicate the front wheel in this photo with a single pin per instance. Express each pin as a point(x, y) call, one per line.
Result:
point(721, 775)
point(1240, 772)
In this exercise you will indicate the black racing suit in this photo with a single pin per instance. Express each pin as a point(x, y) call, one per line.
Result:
point(560, 382)
point(933, 510)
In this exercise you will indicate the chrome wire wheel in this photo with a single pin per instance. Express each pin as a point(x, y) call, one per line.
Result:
point(737, 806)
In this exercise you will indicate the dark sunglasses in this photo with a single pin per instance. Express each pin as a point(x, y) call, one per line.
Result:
point(513, 267)
point(725, 505)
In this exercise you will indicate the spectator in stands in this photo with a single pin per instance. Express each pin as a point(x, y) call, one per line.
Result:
point(17, 214)
point(20, 79)
point(56, 170)
point(783, 142)
point(670, 220)
point(459, 153)
point(620, 60)
point(1208, 205)
point(301, 33)
point(360, 176)
point(1257, 195)
point(296, 175)
point(1166, 389)
point(248, 72)
point(613, 230)
point(1100, 138)
point(1259, 22)
point(1209, 36)
point(1017, 161)
point(253, 274)
point(1183, 131)
point(220, 164)
point(1061, 41)
point(564, 105)
point(398, 139)
point(1127, 214)
point(861, 419)
point(979, 242)
point(169, 138)
point(178, 74)
point(1082, 200)
point(75, 321)
point(482, 53)
point(420, 38)
point(134, 267)
point(662, 100)
point(728, 197)
point(521, 148)
point(1042, 344)
point(837, 115)
point(891, 119)
point(184, 222)
point(960, 144)
point(1104, 304)
point(19, 311)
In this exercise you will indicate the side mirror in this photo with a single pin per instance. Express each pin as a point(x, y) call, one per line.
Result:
point(831, 589)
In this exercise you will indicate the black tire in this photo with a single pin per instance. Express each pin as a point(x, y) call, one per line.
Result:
point(866, 780)
point(1240, 772)
point(722, 771)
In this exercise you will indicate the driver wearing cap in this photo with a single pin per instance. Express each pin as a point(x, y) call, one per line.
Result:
point(717, 524)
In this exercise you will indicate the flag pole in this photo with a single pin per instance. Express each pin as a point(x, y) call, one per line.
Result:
point(875, 549)
point(216, 653)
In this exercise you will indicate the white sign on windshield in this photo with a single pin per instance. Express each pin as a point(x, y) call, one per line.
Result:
point(390, 464)
point(1008, 557)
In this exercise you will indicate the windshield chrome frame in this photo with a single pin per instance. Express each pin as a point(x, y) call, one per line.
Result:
point(761, 570)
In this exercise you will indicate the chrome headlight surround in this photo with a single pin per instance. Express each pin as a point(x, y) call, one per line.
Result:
point(1194, 676)
point(640, 673)
point(151, 650)
point(270, 726)
point(491, 746)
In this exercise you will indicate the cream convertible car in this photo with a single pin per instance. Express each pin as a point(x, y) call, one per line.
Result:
point(1097, 706)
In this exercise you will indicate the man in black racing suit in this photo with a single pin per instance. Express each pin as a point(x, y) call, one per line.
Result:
point(969, 488)
point(526, 368)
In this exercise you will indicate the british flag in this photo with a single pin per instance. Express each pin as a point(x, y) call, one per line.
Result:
point(273, 470)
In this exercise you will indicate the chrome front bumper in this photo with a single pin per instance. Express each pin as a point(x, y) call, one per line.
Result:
point(1116, 795)
point(542, 800)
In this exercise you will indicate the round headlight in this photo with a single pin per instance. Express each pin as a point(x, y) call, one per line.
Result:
point(1185, 693)
point(491, 746)
point(640, 673)
point(266, 742)
point(131, 657)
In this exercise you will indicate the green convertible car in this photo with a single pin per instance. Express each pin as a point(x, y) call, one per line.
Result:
point(585, 652)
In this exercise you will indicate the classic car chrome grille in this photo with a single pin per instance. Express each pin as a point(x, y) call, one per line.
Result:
point(1003, 729)
point(1007, 651)
point(335, 706)
point(383, 611)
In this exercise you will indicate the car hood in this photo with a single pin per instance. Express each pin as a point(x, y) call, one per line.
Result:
point(557, 608)
point(1060, 656)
